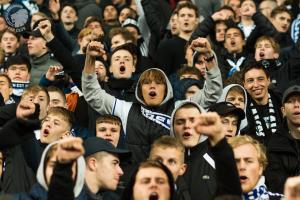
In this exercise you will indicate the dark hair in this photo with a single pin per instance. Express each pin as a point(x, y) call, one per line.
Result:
point(128, 192)
point(126, 35)
point(59, 91)
point(254, 65)
point(189, 70)
point(19, 60)
point(227, 7)
point(189, 5)
point(93, 19)
point(70, 5)
point(280, 9)
point(232, 26)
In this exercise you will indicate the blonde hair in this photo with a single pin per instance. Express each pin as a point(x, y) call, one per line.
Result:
point(240, 140)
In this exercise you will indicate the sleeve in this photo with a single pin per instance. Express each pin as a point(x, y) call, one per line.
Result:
point(205, 28)
point(61, 185)
point(228, 181)
point(16, 131)
point(275, 174)
point(64, 36)
point(103, 102)
point(164, 57)
point(211, 90)
point(66, 59)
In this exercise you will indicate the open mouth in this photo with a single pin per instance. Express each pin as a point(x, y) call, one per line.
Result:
point(186, 135)
point(122, 69)
point(232, 43)
point(296, 114)
point(243, 178)
point(186, 24)
point(153, 196)
point(46, 132)
point(261, 54)
point(152, 94)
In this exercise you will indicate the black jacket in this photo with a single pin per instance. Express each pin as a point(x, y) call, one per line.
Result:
point(283, 154)
point(200, 175)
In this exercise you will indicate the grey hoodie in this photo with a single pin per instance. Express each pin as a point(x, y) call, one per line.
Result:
point(180, 104)
point(105, 103)
point(80, 172)
point(244, 122)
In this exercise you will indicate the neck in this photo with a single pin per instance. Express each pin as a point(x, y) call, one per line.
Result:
point(91, 182)
point(247, 21)
point(68, 26)
point(263, 101)
point(294, 130)
point(185, 35)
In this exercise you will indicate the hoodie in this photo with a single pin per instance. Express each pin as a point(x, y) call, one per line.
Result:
point(41, 191)
point(226, 89)
point(200, 175)
point(143, 124)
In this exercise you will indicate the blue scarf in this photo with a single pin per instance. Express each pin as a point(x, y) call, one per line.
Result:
point(259, 192)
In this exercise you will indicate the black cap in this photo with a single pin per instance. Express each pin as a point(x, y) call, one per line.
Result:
point(295, 89)
point(95, 144)
point(35, 29)
point(225, 108)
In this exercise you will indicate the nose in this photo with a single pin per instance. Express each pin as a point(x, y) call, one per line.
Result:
point(120, 171)
point(108, 133)
point(187, 124)
point(241, 165)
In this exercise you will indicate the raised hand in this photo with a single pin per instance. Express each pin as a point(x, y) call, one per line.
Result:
point(52, 70)
point(292, 188)
point(95, 48)
point(201, 45)
point(45, 29)
point(209, 124)
point(26, 109)
point(69, 149)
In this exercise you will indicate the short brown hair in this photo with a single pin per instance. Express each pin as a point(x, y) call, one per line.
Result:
point(237, 89)
point(125, 34)
point(11, 32)
point(111, 119)
point(167, 141)
point(189, 5)
point(279, 10)
point(57, 90)
point(274, 44)
point(149, 76)
point(189, 70)
point(35, 89)
point(245, 139)
point(63, 113)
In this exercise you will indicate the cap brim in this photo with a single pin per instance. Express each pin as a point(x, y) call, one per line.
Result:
point(35, 33)
point(122, 153)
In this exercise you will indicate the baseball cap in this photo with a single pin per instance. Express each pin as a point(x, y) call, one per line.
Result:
point(35, 29)
point(225, 108)
point(95, 144)
point(295, 89)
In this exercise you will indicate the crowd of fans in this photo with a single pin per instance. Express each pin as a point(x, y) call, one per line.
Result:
point(150, 99)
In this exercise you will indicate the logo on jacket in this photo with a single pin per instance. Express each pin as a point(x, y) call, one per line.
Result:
point(16, 17)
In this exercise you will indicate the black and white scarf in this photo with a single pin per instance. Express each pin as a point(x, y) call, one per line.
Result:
point(159, 118)
point(260, 124)
point(260, 192)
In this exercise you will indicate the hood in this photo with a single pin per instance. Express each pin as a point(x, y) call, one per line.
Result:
point(244, 122)
point(180, 104)
point(80, 172)
point(169, 94)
